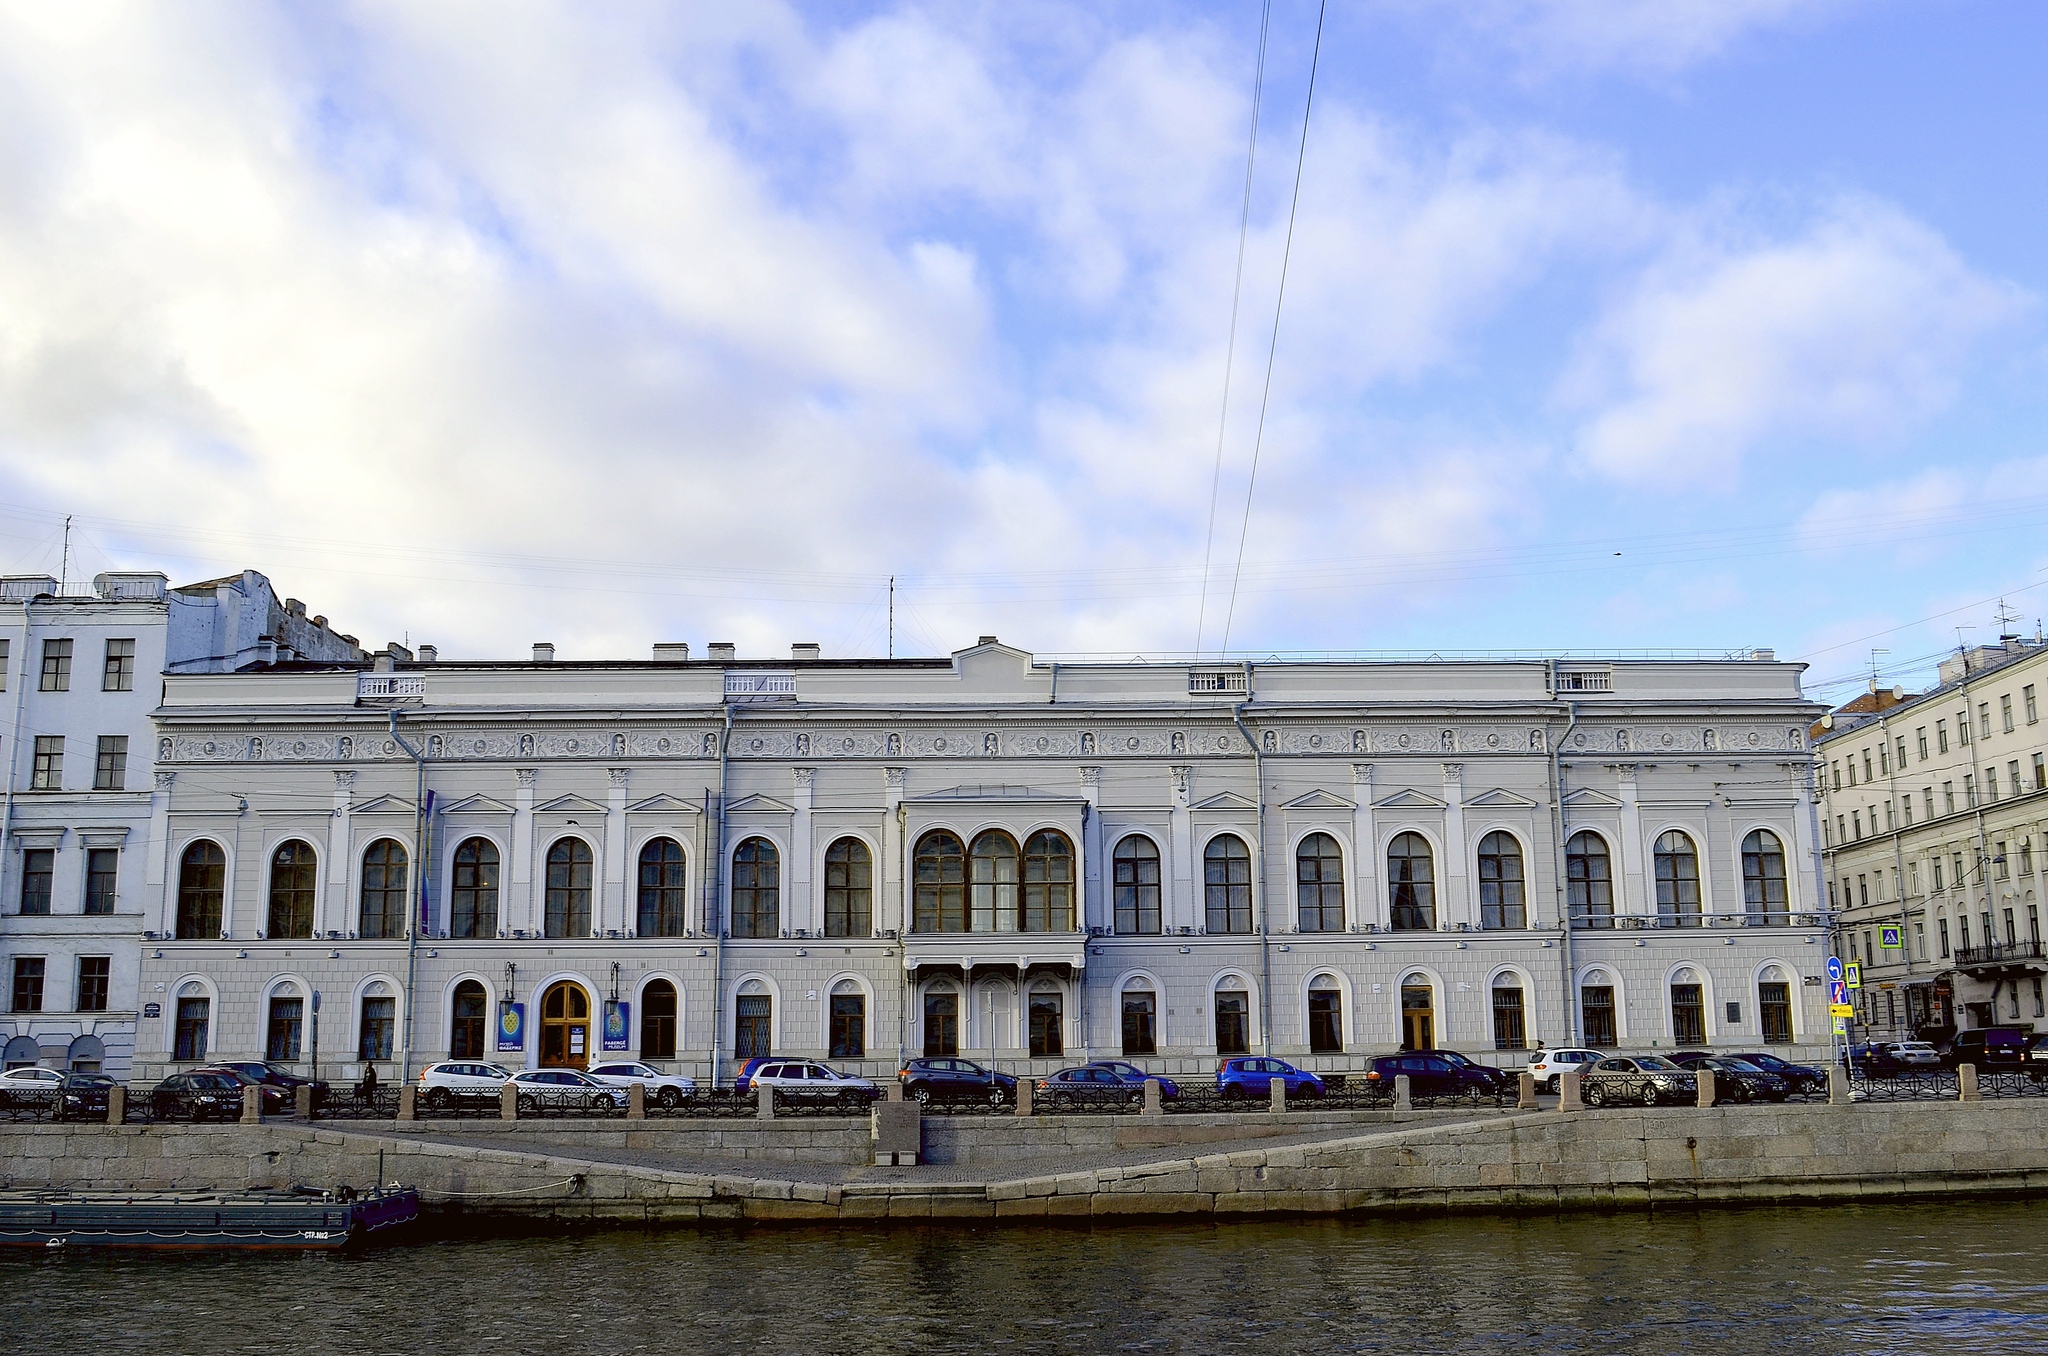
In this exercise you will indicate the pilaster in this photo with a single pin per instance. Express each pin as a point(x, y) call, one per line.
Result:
point(1458, 902)
point(1181, 895)
point(1371, 906)
point(802, 905)
point(339, 850)
point(519, 895)
point(614, 911)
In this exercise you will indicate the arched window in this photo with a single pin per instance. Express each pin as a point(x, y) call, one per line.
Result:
point(661, 890)
point(992, 883)
point(195, 1014)
point(1589, 881)
point(1500, 883)
point(753, 1021)
point(1688, 1008)
point(1319, 883)
point(756, 889)
point(1233, 1017)
point(1763, 876)
point(1411, 885)
point(1141, 1019)
point(1325, 1016)
point(849, 889)
point(1048, 883)
point(202, 890)
point(848, 1036)
point(1678, 880)
point(1137, 885)
point(941, 1020)
point(286, 1026)
point(568, 889)
point(1047, 1025)
point(1774, 1006)
point(939, 884)
point(1596, 1009)
point(473, 902)
point(658, 1020)
point(292, 874)
point(466, 1021)
point(383, 902)
point(1510, 1021)
point(378, 1026)
point(1418, 1013)
point(1227, 884)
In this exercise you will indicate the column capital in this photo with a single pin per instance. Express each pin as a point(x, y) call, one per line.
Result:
point(525, 775)
point(344, 781)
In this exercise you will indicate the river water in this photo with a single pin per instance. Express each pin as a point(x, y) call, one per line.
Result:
point(1963, 1277)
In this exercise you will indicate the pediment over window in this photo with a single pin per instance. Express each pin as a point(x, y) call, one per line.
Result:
point(663, 804)
point(1499, 798)
point(1320, 800)
point(569, 805)
point(758, 804)
point(1586, 796)
point(383, 805)
point(1409, 799)
point(476, 805)
point(1226, 800)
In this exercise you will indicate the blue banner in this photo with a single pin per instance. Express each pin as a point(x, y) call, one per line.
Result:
point(511, 1026)
point(617, 1021)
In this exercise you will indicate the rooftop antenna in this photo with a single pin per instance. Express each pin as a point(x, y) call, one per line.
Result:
point(1873, 667)
point(2006, 619)
point(892, 616)
point(64, 561)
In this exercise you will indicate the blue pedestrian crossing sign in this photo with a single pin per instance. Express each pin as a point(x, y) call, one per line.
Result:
point(1855, 976)
point(1834, 967)
point(1890, 937)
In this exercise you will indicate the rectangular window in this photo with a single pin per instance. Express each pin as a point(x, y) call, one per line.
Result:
point(1863, 891)
point(379, 1020)
point(48, 773)
point(102, 879)
point(1774, 1012)
point(2012, 775)
point(1970, 789)
point(1942, 925)
point(1688, 1015)
point(38, 869)
point(1835, 774)
point(93, 974)
point(287, 1025)
point(2040, 772)
point(2012, 933)
point(1902, 753)
point(1906, 805)
point(119, 673)
point(751, 1028)
point(1937, 873)
point(4, 647)
point(849, 1034)
point(1233, 1022)
point(1827, 832)
point(2026, 856)
point(1510, 1029)
point(110, 772)
point(1140, 1018)
point(2027, 697)
point(1928, 792)
point(1856, 822)
point(1920, 734)
point(1884, 758)
point(191, 1037)
point(1948, 797)
point(1941, 736)
point(1984, 719)
point(1963, 931)
point(1920, 940)
point(2039, 1011)
point(2034, 924)
point(2005, 712)
point(1991, 783)
point(28, 983)
point(1890, 816)
point(1596, 1010)
point(1048, 1038)
point(2004, 863)
point(56, 666)
point(1913, 877)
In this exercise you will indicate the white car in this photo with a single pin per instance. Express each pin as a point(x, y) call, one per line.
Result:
point(30, 1086)
point(664, 1090)
point(564, 1089)
point(1913, 1054)
point(800, 1080)
point(441, 1084)
point(1549, 1066)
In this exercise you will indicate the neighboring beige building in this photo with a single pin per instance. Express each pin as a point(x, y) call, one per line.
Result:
point(1935, 816)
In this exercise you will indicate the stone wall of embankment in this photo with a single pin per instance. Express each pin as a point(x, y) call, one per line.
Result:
point(1532, 1161)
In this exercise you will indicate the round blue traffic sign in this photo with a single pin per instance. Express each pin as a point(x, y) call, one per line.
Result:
point(1834, 967)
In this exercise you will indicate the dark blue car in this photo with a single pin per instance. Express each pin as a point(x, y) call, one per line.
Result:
point(1127, 1072)
point(1253, 1077)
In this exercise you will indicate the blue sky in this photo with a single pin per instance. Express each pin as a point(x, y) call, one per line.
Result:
point(1609, 324)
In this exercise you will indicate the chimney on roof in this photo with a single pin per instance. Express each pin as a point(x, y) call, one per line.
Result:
point(722, 649)
point(671, 652)
point(804, 650)
point(429, 654)
point(543, 653)
point(986, 640)
point(295, 607)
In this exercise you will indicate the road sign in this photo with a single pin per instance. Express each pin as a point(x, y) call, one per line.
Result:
point(1834, 967)
point(1855, 975)
point(1841, 1026)
point(1838, 994)
point(1891, 937)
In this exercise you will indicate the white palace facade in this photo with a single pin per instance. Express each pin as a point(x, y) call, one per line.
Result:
point(1031, 864)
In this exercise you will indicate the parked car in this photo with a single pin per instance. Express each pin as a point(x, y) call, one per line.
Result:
point(744, 1079)
point(198, 1095)
point(1647, 1079)
point(1127, 1072)
point(275, 1101)
point(1430, 1074)
point(440, 1084)
point(2037, 1057)
point(1990, 1048)
point(1503, 1080)
point(263, 1071)
point(83, 1096)
point(664, 1090)
point(564, 1089)
point(955, 1080)
point(1736, 1079)
point(1905, 1056)
point(1806, 1080)
point(1550, 1066)
point(1088, 1085)
point(28, 1087)
point(1240, 1078)
point(803, 1080)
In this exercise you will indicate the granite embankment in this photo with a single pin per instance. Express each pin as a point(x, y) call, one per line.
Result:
point(1076, 1167)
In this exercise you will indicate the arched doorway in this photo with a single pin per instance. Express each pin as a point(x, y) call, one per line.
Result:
point(565, 1027)
point(1418, 1013)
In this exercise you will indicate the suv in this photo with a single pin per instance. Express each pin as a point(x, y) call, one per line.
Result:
point(1648, 1079)
point(441, 1084)
point(2037, 1057)
point(1550, 1066)
point(956, 1080)
point(1241, 1078)
point(1503, 1081)
point(1989, 1048)
point(1126, 1072)
point(201, 1094)
point(667, 1091)
point(801, 1080)
point(1430, 1074)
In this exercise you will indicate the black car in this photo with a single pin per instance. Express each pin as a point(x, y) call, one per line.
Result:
point(270, 1075)
point(1503, 1081)
point(83, 1096)
point(2037, 1057)
point(1737, 1078)
point(955, 1081)
point(276, 1101)
point(201, 1095)
point(1990, 1048)
point(1432, 1074)
point(1807, 1080)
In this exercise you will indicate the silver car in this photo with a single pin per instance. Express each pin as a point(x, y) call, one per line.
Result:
point(668, 1091)
point(564, 1090)
point(1645, 1080)
point(801, 1080)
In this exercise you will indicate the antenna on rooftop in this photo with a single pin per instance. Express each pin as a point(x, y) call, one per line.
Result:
point(2006, 619)
point(64, 561)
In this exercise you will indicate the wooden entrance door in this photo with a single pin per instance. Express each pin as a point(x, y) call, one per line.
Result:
point(565, 1027)
point(1418, 1017)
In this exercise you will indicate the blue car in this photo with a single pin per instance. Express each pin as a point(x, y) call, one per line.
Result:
point(1254, 1078)
point(1130, 1073)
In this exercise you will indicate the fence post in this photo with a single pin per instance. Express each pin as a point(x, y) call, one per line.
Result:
point(1966, 1084)
point(765, 1098)
point(117, 1104)
point(1153, 1106)
point(1025, 1087)
point(636, 1102)
point(508, 1102)
point(1525, 1094)
point(1277, 1090)
point(1568, 1098)
point(1706, 1082)
point(1402, 1088)
point(408, 1101)
point(302, 1099)
point(252, 1105)
point(1838, 1086)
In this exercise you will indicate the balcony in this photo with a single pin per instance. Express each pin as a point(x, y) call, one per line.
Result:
point(753, 685)
point(390, 688)
point(2020, 957)
point(1005, 950)
point(1661, 921)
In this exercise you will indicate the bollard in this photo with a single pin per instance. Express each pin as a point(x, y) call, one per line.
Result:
point(765, 1095)
point(1025, 1087)
point(408, 1101)
point(1277, 1090)
point(894, 1092)
point(1966, 1084)
point(117, 1104)
point(636, 1102)
point(897, 1127)
point(1525, 1098)
point(1838, 1086)
point(1706, 1082)
point(1402, 1100)
point(1568, 1098)
point(508, 1102)
point(252, 1105)
point(302, 1098)
point(1153, 1106)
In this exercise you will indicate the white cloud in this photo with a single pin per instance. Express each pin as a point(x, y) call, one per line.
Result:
point(1858, 326)
point(1644, 36)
